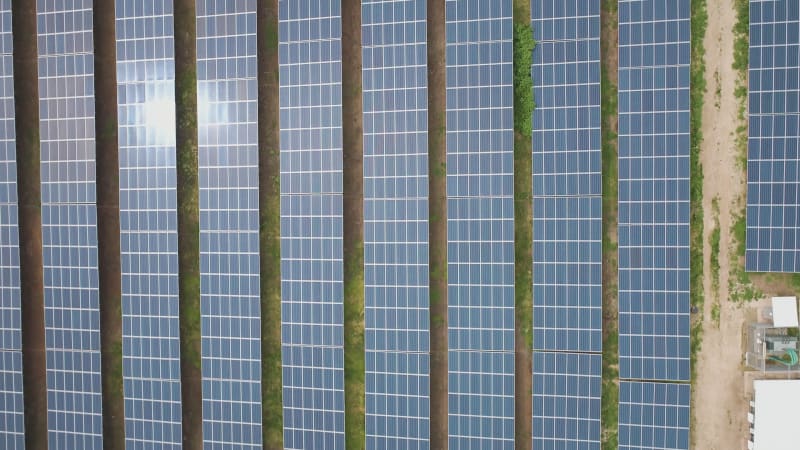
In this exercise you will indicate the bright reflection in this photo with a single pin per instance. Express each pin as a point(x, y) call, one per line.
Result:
point(159, 118)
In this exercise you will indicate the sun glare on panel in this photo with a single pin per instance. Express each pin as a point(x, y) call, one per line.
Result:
point(159, 116)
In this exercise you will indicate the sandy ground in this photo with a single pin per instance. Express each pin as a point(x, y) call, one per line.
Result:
point(719, 404)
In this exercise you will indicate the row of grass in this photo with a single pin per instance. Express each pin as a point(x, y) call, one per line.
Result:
point(608, 106)
point(698, 91)
point(524, 45)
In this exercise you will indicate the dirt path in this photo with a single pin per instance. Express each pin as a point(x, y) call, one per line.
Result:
point(437, 198)
point(26, 93)
point(719, 406)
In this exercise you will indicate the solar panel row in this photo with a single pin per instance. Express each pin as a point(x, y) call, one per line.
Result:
point(480, 223)
point(653, 213)
point(394, 61)
point(653, 415)
point(11, 408)
point(567, 224)
point(312, 315)
point(230, 300)
point(148, 224)
point(773, 183)
point(69, 223)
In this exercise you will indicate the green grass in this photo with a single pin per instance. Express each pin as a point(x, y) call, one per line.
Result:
point(697, 94)
point(188, 209)
point(272, 389)
point(608, 106)
point(714, 242)
point(741, 53)
point(354, 347)
point(523, 230)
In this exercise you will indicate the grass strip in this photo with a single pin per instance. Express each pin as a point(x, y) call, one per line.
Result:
point(609, 404)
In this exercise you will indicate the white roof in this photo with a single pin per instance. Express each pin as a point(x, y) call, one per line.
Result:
point(784, 312)
point(775, 425)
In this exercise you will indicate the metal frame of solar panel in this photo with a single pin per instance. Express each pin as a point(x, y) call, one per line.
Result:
point(396, 322)
point(566, 400)
point(12, 427)
point(654, 416)
point(230, 293)
point(480, 223)
point(148, 224)
point(654, 147)
point(312, 288)
point(567, 185)
point(773, 183)
point(69, 224)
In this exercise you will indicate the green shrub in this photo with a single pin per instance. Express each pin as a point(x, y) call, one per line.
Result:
point(523, 83)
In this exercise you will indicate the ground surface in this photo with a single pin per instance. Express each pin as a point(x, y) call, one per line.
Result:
point(719, 405)
point(437, 206)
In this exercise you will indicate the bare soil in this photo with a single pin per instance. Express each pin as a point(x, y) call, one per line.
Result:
point(30, 223)
point(188, 221)
point(437, 225)
point(719, 405)
point(108, 225)
point(353, 239)
point(270, 228)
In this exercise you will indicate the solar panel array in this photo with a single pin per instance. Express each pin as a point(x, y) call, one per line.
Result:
point(312, 289)
point(480, 223)
point(566, 400)
point(12, 427)
point(653, 416)
point(653, 232)
point(773, 183)
point(567, 224)
point(230, 297)
point(148, 224)
point(69, 224)
point(396, 269)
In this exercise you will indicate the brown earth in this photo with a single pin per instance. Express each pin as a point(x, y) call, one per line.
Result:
point(437, 224)
point(609, 57)
point(523, 268)
point(26, 93)
point(719, 412)
point(270, 227)
point(108, 224)
point(188, 221)
point(353, 238)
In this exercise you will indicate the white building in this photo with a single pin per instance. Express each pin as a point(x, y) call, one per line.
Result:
point(773, 415)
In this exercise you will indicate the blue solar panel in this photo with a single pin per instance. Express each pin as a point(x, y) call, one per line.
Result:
point(148, 225)
point(653, 416)
point(565, 20)
point(69, 224)
point(481, 400)
point(10, 316)
point(313, 397)
point(312, 315)
point(230, 298)
point(396, 321)
point(773, 183)
point(567, 273)
point(12, 426)
point(653, 230)
point(566, 400)
point(480, 223)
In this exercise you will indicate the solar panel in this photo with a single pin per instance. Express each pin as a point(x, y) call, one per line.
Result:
point(653, 231)
point(567, 183)
point(12, 427)
point(148, 224)
point(567, 274)
point(566, 400)
point(773, 184)
point(480, 222)
point(230, 297)
point(394, 61)
point(69, 224)
point(653, 416)
point(312, 290)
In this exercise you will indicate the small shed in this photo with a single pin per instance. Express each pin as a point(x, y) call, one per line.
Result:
point(784, 312)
